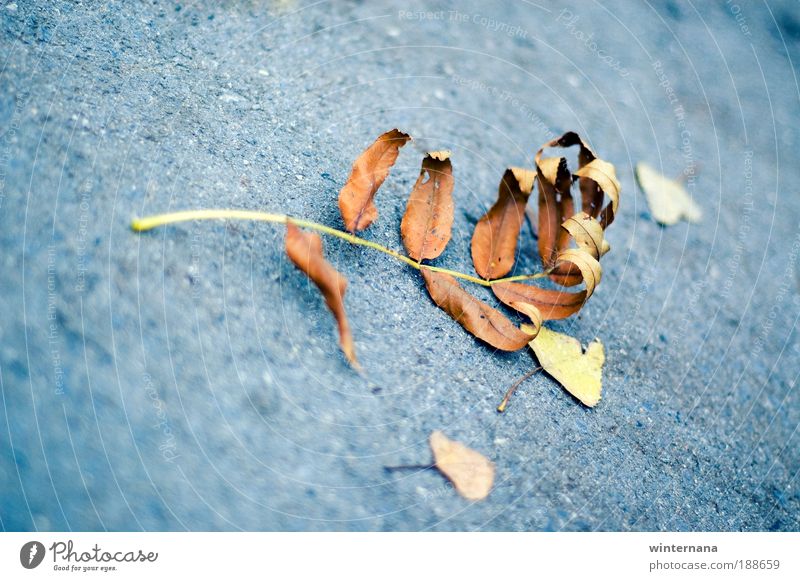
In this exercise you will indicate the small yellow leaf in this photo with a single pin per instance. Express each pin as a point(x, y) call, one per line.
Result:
point(668, 200)
point(562, 357)
point(471, 472)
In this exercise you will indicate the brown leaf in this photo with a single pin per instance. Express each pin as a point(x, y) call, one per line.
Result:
point(597, 178)
point(305, 251)
point(486, 323)
point(369, 170)
point(553, 304)
point(428, 221)
point(471, 473)
point(604, 176)
point(555, 206)
point(591, 193)
point(494, 242)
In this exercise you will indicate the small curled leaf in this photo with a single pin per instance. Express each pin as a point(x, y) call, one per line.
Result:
point(604, 177)
point(533, 314)
point(427, 224)
point(305, 251)
point(555, 206)
point(369, 171)
point(494, 242)
point(484, 322)
point(586, 264)
point(596, 177)
point(588, 234)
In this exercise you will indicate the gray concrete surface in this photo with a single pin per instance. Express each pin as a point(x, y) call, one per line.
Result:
point(189, 378)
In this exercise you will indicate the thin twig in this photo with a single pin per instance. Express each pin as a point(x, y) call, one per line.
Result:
point(502, 407)
point(409, 467)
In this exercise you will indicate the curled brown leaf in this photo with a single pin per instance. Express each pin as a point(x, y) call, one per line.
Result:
point(484, 322)
point(555, 206)
point(604, 176)
point(555, 304)
point(427, 224)
point(591, 193)
point(494, 242)
point(305, 251)
point(597, 178)
point(369, 171)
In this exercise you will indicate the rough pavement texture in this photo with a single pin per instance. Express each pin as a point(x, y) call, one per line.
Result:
point(189, 378)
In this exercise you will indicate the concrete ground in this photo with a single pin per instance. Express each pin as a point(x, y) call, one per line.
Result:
point(189, 378)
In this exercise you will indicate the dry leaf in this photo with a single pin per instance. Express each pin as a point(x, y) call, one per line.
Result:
point(588, 234)
point(562, 357)
point(604, 177)
point(305, 251)
point(486, 323)
point(552, 304)
point(555, 206)
point(591, 191)
point(668, 200)
point(494, 242)
point(587, 266)
point(471, 472)
point(369, 170)
point(533, 314)
point(428, 221)
point(597, 179)
point(582, 267)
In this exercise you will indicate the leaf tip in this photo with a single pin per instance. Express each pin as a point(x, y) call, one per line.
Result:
point(441, 155)
point(524, 177)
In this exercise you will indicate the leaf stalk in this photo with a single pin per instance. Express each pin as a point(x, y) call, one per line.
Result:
point(157, 220)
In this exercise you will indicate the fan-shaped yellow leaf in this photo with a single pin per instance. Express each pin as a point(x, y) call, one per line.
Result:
point(562, 357)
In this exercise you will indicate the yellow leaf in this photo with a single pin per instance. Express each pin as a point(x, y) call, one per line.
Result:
point(588, 234)
point(534, 314)
point(471, 472)
point(589, 267)
point(604, 174)
point(668, 200)
point(562, 357)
